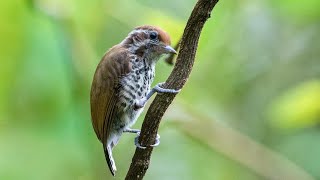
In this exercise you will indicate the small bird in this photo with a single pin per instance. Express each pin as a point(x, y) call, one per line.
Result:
point(122, 85)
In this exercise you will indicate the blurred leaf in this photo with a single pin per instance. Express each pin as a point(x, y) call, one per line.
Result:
point(13, 18)
point(298, 107)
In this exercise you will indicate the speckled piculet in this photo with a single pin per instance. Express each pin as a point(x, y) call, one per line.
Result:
point(121, 85)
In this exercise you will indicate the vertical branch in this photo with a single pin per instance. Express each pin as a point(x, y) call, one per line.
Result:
point(177, 79)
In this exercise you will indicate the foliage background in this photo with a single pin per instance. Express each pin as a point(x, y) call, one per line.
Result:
point(257, 72)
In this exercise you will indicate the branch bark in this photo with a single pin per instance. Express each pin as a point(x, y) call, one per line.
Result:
point(177, 79)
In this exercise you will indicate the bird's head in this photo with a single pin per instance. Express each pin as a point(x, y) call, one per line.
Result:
point(149, 41)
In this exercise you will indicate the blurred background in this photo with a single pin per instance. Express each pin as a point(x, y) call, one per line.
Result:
point(250, 110)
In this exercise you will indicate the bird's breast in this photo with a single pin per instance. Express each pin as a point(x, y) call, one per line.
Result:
point(135, 86)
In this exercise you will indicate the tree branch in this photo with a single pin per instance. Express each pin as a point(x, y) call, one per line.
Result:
point(177, 79)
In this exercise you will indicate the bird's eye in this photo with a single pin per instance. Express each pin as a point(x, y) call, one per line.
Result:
point(153, 35)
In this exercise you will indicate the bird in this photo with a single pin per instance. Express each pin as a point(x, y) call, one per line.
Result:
point(121, 85)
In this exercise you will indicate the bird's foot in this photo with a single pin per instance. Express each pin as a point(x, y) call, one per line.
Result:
point(159, 89)
point(140, 103)
point(136, 141)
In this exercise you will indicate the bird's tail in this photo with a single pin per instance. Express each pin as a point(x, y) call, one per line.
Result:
point(110, 160)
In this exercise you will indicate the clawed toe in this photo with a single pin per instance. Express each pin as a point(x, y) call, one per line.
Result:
point(136, 141)
point(157, 141)
point(159, 89)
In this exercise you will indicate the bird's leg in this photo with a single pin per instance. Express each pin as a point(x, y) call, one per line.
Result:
point(128, 130)
point(140, 103)
point(136, 139)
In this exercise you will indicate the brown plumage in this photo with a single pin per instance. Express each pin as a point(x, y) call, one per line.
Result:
point(122, 78)
point(114, 64)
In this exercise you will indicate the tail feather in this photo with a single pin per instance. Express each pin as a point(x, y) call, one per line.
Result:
point(110, 160)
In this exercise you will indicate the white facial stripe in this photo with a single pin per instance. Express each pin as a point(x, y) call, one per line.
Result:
point(136, 31)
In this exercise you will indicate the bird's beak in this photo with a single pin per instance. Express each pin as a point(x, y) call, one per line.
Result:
point(169, 49)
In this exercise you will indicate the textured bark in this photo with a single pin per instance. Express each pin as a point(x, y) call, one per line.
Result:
point(177, 79)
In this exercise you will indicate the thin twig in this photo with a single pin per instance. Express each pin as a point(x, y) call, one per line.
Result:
point(235, 145)
point(177, 79)
point(170, 59)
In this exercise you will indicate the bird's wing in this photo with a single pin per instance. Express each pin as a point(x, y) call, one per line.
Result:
point(104, 95)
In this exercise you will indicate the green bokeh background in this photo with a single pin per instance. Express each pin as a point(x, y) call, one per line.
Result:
point(257, 71)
